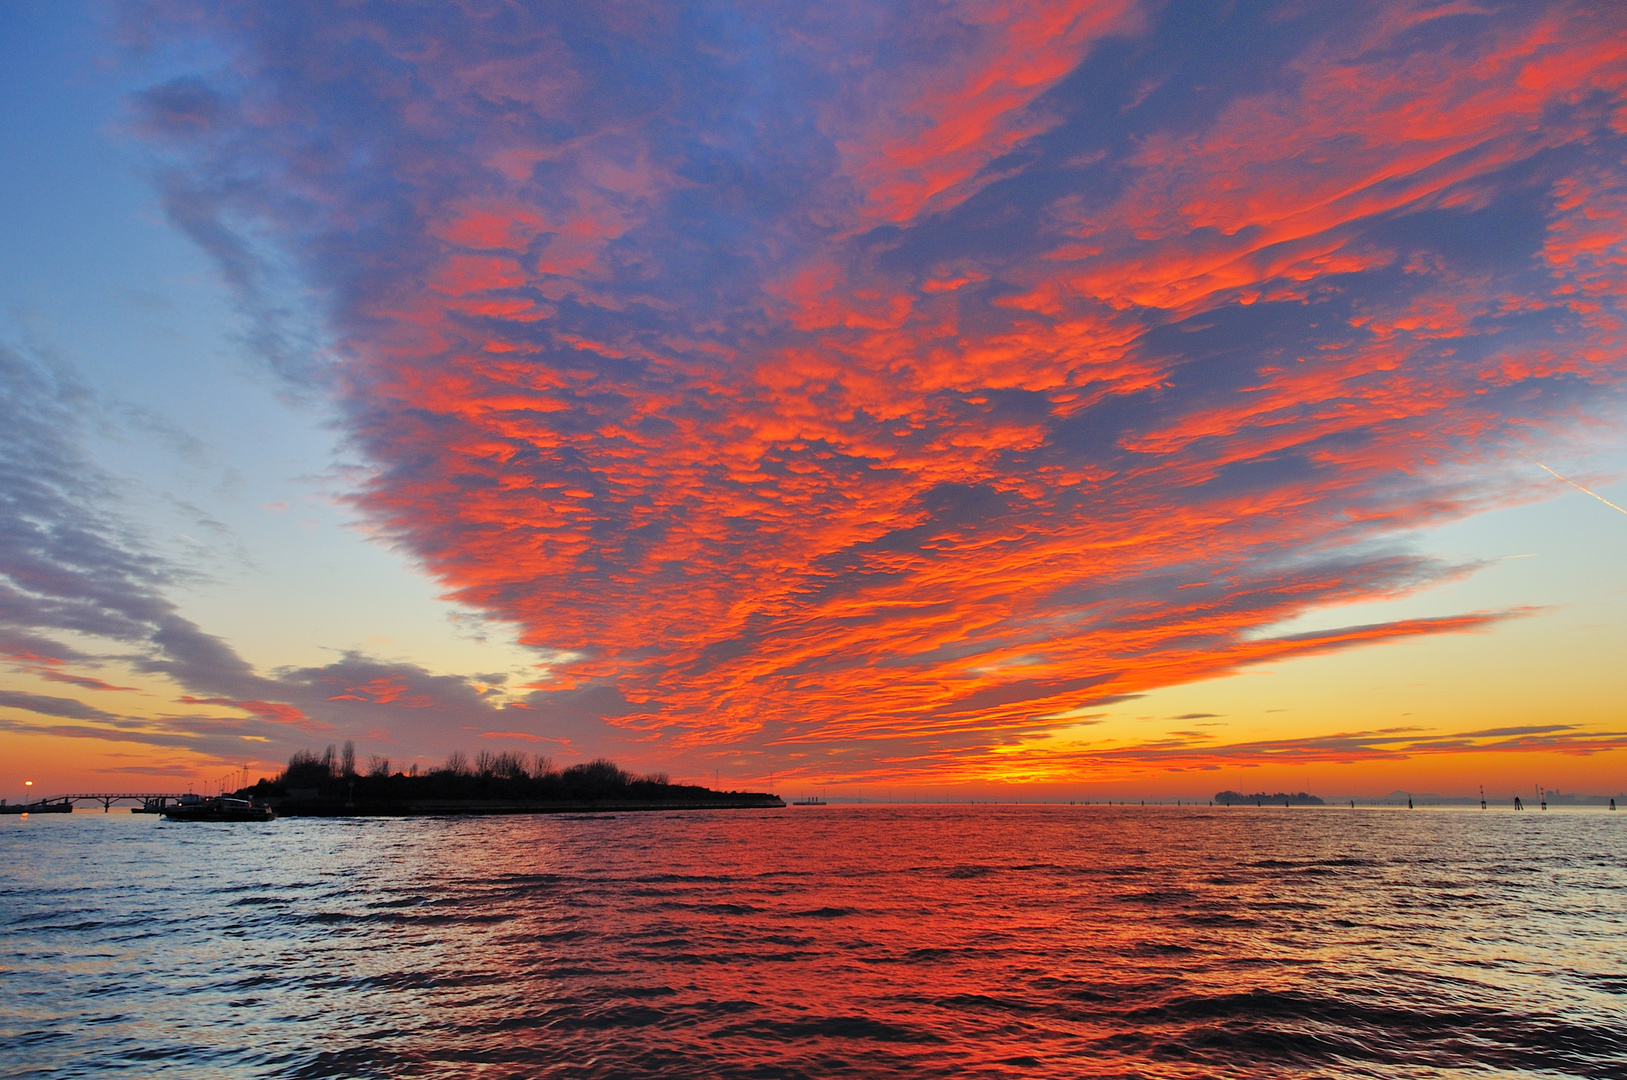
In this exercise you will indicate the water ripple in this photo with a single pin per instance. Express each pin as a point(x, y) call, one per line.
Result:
point(875, 942)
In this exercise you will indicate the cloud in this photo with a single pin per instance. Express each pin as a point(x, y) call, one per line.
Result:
point(65, 565)
point(1354, 747)
point(822, 373)
point(70, 567)
point(52, 706)
point(1073, 761)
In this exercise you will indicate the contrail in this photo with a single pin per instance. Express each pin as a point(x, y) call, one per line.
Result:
point(1574, 484)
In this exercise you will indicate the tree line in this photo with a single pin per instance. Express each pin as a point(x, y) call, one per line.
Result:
point(1260, 798)
point(503, 774)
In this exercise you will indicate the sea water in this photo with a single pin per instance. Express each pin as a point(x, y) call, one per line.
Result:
point(1022, 941)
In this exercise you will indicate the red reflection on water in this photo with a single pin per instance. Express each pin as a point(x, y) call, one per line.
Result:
point(1027, 941)
point(1033, 941)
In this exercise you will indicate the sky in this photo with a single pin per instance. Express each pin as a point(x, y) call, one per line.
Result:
point(943, 399)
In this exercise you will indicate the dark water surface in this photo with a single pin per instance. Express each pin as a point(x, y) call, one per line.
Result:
point(886, 941)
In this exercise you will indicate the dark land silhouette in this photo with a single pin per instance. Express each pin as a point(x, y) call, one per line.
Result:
point(1260, 798)
point(332, 785)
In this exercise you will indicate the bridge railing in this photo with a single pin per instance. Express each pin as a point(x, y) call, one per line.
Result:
point(108, 798)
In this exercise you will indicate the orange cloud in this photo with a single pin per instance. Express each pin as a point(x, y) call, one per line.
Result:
point(958, 371)
point(275, 711)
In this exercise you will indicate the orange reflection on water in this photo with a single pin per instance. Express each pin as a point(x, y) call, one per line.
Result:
point(1012, 941)
point(1033, 941)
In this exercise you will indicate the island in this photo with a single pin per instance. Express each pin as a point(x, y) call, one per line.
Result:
point(1260, 798)
point(331, 785)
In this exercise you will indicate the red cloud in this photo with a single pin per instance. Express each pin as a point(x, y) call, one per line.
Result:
point(274, 711)
point(918, 408)
point(389, 690)
point(84, 681)
point(963, 98)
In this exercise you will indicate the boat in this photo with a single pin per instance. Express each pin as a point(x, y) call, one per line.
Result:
point(219, 808)
point(811, 800)
point(44, 806)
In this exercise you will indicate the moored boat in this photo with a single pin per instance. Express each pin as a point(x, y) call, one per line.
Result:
point(219, 808)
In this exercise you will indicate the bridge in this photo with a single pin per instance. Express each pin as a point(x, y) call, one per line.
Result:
point(151, 801)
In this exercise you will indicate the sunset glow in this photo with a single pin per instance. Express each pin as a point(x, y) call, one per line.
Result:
point(935, 396)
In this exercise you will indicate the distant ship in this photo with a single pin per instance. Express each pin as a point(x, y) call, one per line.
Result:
point(44, 806)
point(811, 800)
point(220, 808)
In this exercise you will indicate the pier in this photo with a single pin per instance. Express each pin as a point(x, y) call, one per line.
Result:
point(152, 802)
